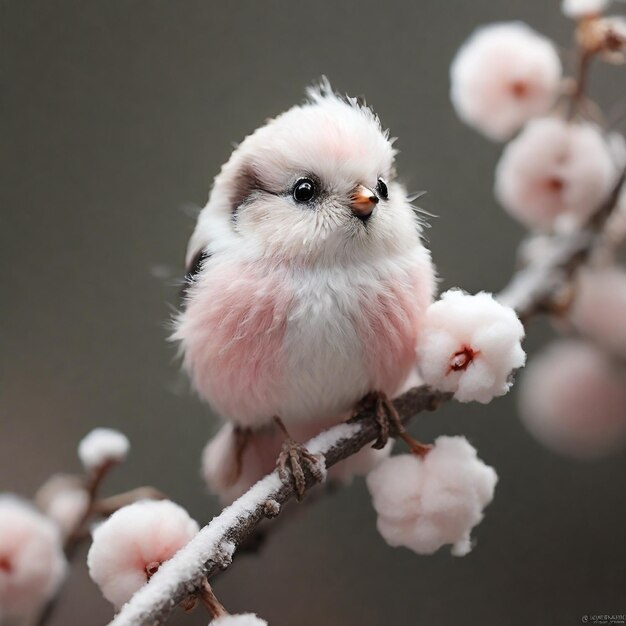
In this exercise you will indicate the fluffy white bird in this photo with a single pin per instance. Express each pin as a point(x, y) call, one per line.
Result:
point(307, 278)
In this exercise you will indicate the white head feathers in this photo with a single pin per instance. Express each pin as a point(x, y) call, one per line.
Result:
point(338, 144)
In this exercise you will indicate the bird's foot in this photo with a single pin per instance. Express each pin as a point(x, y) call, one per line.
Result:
point(388, 418)
point(293, 458)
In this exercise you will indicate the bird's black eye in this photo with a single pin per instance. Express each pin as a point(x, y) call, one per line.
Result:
point(382, 190)
point(304, 190)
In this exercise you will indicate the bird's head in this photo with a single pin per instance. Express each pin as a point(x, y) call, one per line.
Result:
point(314, 185)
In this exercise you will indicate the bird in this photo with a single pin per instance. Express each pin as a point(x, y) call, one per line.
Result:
point(307, 276)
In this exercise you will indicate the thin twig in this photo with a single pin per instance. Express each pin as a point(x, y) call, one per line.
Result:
point(107, 506)
point(210, 601)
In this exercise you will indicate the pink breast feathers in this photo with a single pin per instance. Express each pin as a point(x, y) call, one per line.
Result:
point(389, 325)
point(231, 334)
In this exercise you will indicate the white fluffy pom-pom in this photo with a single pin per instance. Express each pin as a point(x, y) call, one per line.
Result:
point(425, 503)
point(470, 345)
point(599, 308)
point(555, 172)
point(502, 76)
point(130, 546)
point(242, 619)
point(573, 400)
point(583, 8)
point(102, 446)
point(32, 563)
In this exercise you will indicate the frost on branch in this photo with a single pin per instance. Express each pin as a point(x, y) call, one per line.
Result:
point(131, 545)
point(32, 563)
point(573, 399)
point(426, 502)
point(101, 447)
point(243, 619)
point(555, 173)
point(470, 346)
point(599, 307)
point(583, 8)
point(505, 74)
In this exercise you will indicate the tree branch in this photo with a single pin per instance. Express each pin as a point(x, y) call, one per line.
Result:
point(530, 291)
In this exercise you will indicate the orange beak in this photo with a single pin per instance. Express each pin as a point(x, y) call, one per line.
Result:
point(363, 201)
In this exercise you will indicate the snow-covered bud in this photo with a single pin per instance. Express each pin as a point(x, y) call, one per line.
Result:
point(555, 172)
point(470, 346)
point(599, 308)
point(573, 400)
point(505, 74)
point(426, 502)
point(32, 563)
point(242, 619)
point(64, 499)
point(101, 447)
point(577, 9)
point(130, 546)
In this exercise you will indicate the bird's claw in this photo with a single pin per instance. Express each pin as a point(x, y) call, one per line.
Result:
point(294, 456)
point(387, 417)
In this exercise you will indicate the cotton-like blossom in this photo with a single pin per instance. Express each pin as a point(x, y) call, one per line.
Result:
point(583, 8)
point(426, 502)
point(242, 619)
point(555, 171)
point(505, 74)
point(102, 446)
point(130, 546)
point(32, 563)
point(599, 307)
point(470, 346)
point(573, 400)
point(229, 473)
point(64, 499)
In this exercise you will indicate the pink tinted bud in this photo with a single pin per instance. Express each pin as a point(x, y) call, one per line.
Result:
point(64, 499)
point(32, 563)
point(599, 308)
point(470, 345)
point(573, 400)
point(555, 172)
point(129, 547)
point(425, 503)
point(502, 76)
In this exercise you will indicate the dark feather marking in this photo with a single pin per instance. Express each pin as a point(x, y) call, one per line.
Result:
point(193, 270)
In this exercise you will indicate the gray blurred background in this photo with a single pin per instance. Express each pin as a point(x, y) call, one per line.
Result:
point(114, 118)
